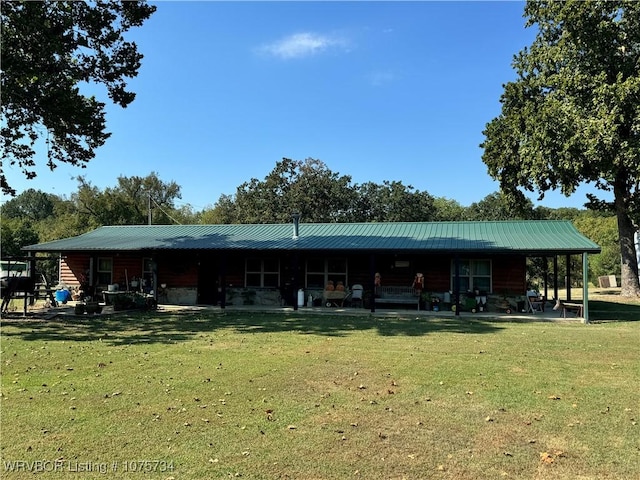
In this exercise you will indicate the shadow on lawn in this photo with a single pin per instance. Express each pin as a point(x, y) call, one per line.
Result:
point(161, 327)
point(602, 311)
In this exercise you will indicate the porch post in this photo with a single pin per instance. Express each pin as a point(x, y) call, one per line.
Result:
point(223, 281)
point(456, 283)
point(372, 280)
point(567, 282)
point(154, 278)
point(545, 268)
point(585, 287)
point(555, 277)
point(294, 285)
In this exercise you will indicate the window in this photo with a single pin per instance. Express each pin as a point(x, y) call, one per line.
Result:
point(105, 271)
point(147, 274)
point(321, 270)
point(474, 275)
point(262, 272)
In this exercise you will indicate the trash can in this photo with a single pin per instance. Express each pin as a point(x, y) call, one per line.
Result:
point(301, 298)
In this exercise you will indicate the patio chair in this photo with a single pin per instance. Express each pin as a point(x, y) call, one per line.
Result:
point(356, 294)
point(535, 303)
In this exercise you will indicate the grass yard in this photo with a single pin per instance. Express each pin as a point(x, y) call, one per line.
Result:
point(206, 395)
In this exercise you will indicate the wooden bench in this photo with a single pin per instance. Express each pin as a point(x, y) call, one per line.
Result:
point(393, 295)
point(576, 308)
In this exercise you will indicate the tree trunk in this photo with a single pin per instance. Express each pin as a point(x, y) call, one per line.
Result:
point(626, 232)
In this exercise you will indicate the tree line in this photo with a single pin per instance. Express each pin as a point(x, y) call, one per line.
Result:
point(307, 187)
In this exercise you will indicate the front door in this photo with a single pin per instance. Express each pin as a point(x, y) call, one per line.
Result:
point(208, 283)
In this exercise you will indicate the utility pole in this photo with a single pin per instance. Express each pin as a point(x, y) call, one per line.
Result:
point(149, 208)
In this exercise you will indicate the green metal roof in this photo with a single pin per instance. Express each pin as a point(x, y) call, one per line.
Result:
point(528, 237)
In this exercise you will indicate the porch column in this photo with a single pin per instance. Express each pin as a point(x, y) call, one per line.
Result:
point(154, 278)
point(555, 277)
point(567, 282)
point(585, 287)
point(294, 283)
point(456, 283)
point(372, 280)
point(545, 269)
point(223, 281)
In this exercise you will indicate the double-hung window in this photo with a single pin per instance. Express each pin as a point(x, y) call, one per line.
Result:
point(321, 270)
point(474, 275)
point(262, 272)
point(104, 271)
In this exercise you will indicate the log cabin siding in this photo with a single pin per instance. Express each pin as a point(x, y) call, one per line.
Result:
point(509, 275)
point(185, 269)
point(72, 267)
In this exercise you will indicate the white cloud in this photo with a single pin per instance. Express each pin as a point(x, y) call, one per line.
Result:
point(302, 45)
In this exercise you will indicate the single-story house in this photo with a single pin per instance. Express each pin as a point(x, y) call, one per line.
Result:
point(280, 264)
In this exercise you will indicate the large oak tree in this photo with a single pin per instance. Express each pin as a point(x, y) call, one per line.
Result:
point(51, 52)
point(572, 116)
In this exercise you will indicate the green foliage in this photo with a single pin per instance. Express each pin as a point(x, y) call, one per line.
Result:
point(16, 233)
point(50, 50)
point(128, 203)
point(603, 231)
point(392, 202)
point(573, 114)
point(308, 187)
point(31, 204)
point(446, 209)
point(498, 206)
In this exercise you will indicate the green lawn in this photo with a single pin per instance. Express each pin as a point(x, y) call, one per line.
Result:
point(205, 395)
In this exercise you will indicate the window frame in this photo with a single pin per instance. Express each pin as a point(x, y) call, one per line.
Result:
point(327, 272)
point(471, 262)
point(101, 273)
point(263, 272)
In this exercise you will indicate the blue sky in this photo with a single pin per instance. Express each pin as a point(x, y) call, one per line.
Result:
point(376, 90)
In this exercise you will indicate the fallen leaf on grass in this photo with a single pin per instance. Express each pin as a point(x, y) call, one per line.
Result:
point(546, 457)
point(554, 397)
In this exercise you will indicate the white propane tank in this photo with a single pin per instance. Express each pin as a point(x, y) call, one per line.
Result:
point(310, 301)
point(301, 298)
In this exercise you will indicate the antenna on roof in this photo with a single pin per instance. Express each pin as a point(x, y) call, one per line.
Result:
point(296, 224)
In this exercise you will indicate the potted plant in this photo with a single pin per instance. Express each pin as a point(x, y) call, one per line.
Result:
point(425, 300)
point(435, 303)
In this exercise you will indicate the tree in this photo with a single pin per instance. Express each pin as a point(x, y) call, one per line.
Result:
point(497, 206)
point(602, 230)
point(128, 203)
point(31, 204)
point(307, 187)
point(392, 202)
point(572, 116)
point(49, 51)
point(16, 233)
point(448, 210)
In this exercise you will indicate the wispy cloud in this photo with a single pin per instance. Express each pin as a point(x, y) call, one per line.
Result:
point(379, 78)
point(301, 45)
